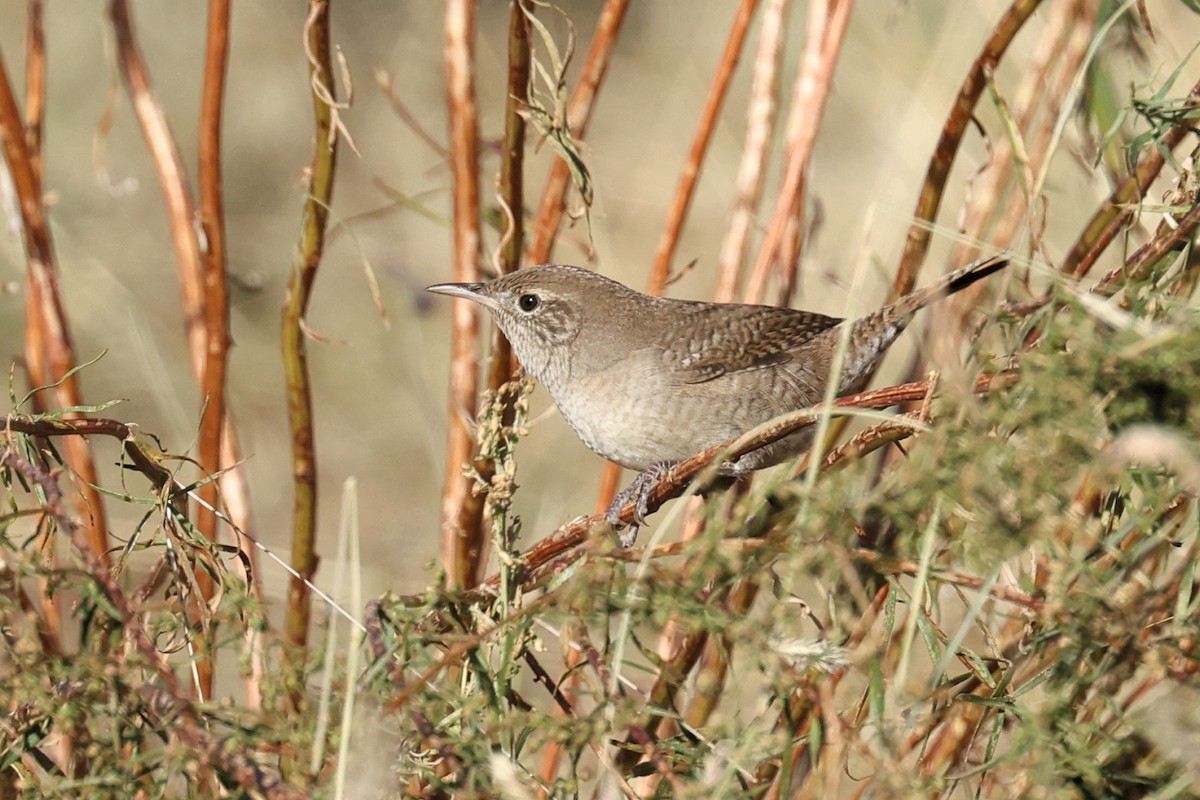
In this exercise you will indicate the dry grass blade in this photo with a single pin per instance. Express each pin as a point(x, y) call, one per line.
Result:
point(579, 111)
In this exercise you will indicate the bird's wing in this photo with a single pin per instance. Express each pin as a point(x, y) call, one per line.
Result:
point(728, 339)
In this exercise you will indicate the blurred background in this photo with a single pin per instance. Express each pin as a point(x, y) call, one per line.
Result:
point(380, 387)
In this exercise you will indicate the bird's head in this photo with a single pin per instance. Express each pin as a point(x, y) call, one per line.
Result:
point(543, 311)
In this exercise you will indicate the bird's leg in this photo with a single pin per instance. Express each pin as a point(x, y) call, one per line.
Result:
point(638, 492)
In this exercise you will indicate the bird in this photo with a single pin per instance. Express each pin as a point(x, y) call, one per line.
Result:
point(647, 381)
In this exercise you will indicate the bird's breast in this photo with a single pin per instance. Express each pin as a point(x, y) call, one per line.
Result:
point(638, 412)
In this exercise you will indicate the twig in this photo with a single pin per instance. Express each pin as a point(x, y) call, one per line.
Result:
point(387, 85)
point(501, 365)
point(866, 441)
point(512, 162)
point(1064, 39)
point(195, 274)
point(1115, 214)
point(172, 176)
point(1176, 235)
point(1120, 208)
point(202, 268)
point(218, 448)
point(50, 621)
point(908, 567)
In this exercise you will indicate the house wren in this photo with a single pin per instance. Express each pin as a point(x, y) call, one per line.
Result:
point(648, 381)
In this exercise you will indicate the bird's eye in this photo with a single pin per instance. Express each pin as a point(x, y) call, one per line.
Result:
point(528, 302)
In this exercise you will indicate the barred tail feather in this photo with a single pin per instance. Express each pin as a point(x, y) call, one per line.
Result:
point(952, 282)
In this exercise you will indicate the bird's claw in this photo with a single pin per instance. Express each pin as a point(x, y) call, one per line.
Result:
point(638, 492)
point(626, 537)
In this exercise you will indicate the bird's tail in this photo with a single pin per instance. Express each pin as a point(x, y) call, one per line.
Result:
point(950, 283)
point(873, 334)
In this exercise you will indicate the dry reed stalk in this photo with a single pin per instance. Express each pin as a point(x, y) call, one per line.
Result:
point(946, 343)
point(930, 198)
point(825, 33)
point(999, 202)
point(314, 218)
point(512, 163)
point(760, 123)
point(35, 84)
point(501, 365)
point(685, 190)
point(464, 543)
point(202, 267)
point(202, 277)
point(49, 353)
point(219, 448)
point(172, 175)
point(214, 288)
point(995, 208)
point(35, 111)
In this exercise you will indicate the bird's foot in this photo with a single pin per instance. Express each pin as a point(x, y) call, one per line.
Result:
point(638, 493)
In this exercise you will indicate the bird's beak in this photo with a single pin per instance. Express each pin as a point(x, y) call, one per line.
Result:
point(467, 291)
